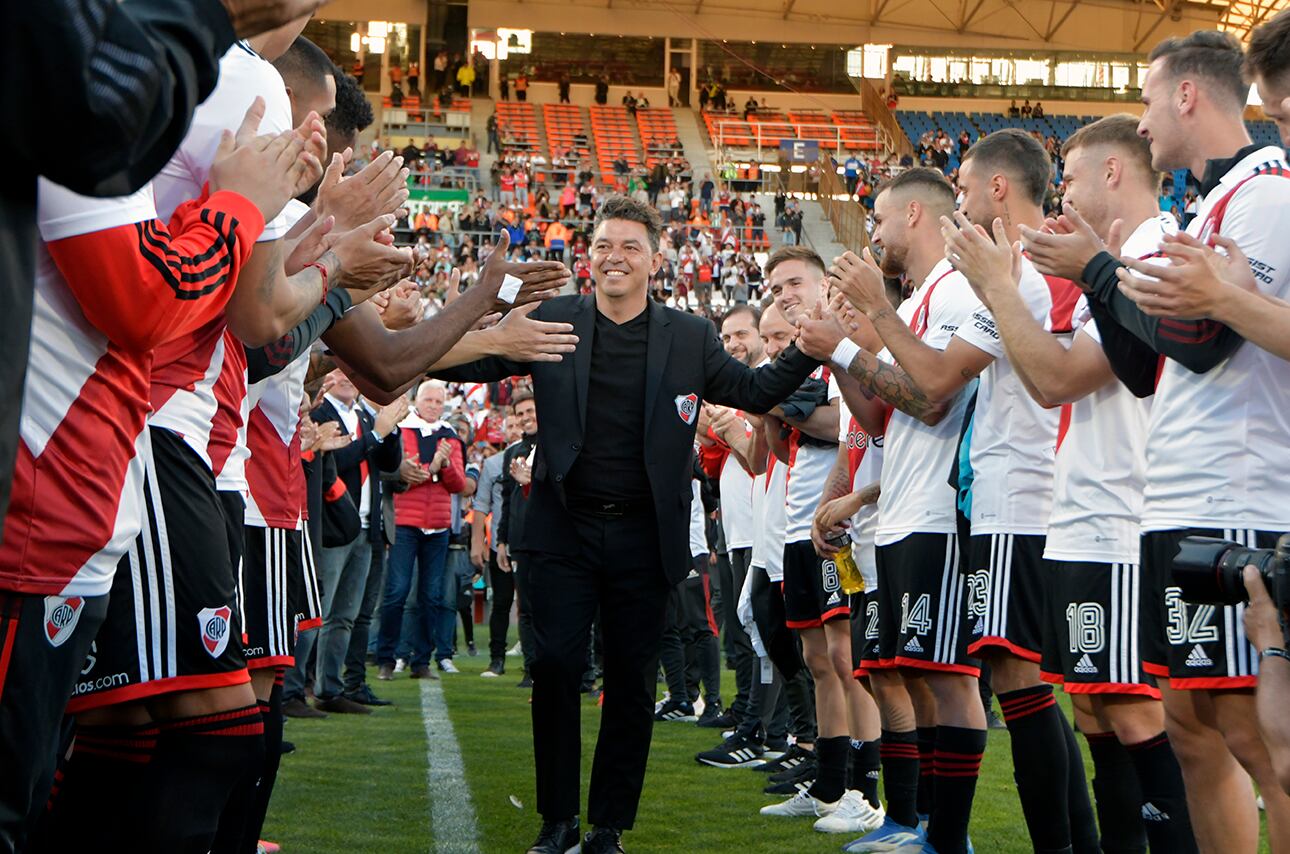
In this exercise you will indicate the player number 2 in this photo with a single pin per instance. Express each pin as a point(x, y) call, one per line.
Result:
point(871, 620)
point(919, 617)
point(1084, 622)
point(1181, 630)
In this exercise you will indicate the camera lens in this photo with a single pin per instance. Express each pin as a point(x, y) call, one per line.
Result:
point(1208, 570)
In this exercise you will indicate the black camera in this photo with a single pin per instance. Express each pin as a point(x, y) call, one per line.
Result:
point(1208, 571)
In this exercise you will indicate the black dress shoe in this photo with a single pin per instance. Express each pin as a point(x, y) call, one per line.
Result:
point(557, 837)
point(365, 696)
point(603, 840)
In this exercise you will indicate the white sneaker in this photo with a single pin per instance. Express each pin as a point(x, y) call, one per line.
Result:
point(515, 651)
point(446, 665)
point(488, 674)
point(400, 665)
point(800, 804)
point(853, 815)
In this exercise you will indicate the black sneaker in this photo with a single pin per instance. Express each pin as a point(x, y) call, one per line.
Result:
point(526, 682)
point(676, 710)
point(807, 762)
point(471, 649)
point(792, 781)
point(776, 749)
point(794, 757)
point(496, 667)
point(287, 747)
point(738, 751)
point(718, 719)
point(603, 840)
point(556, 837)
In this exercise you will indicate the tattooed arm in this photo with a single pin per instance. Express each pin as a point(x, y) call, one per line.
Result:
point(939, 374)
point(894, 386)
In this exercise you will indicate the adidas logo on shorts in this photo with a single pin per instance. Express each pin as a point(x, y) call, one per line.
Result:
point(1198, 658)
point(834, 598)
point(1151, 813)
point(979, 628)
point(1085, 665)
point(913, 645)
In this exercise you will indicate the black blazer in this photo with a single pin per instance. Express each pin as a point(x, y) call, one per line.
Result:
point(382, 456)
point(684, 359)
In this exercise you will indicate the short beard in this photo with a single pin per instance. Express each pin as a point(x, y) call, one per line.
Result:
point(891, 263)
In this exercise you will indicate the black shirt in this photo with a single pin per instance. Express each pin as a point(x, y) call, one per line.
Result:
point(611, 464)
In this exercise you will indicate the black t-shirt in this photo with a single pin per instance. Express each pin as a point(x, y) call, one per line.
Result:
point(611, 464)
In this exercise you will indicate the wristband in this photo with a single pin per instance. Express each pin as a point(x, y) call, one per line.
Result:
point(322, 271)
point(844, 354)
point(510, 289)
point(1276, 651)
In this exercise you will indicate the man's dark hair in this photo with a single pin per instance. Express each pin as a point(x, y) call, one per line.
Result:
point(1018, 155)
point(927, 183)
point(1118, 131)
point(743, 308)
point(1268, 56)
point(353, 111)
point(627, 208)
point(785, 254)
point(520, 396)
point(1213, 55)
point(303, 64)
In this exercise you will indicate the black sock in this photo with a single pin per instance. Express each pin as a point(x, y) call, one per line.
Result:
point(1164, 798)
point(1039, 763)
point(1079, 808)
point(899, 753)
point(831, 773)
point(243, 816)
point(863, 765)
point(95, 790)
point(1119, 797)
point(199, 762)
point(957, 764)
point(926, 764)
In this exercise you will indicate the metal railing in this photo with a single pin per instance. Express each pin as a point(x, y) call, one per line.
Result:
point(849, 217)
point(764, 137)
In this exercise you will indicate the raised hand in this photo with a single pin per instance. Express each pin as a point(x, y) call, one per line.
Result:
point(262, 169)
point(400, 306)
point(310, 246)
point(363, 263)
point(387, 420)
point(329, 437)
point(309, 169)
point(410, 471)
point(819, 334)
point(252, 17)
point(523, 339)
point(985, 262)
point(379, 188)
point(860, 281)
point(541, 279)
point(1191, 286)
point(1067, 245)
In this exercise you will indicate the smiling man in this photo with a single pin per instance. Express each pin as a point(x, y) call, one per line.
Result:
point(607, 519)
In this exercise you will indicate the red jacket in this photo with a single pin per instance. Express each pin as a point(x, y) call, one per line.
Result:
point(429, 505)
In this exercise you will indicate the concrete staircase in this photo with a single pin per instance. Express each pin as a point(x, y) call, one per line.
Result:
point(817, 231)
point(694, 143)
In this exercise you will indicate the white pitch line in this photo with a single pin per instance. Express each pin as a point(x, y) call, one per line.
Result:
point(452, 814)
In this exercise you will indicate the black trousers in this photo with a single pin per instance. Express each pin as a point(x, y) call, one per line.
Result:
point(738, 647)
point(519, 567)
point(44, 641)
point(689, 650)
point(617, 569)
point(499, 618)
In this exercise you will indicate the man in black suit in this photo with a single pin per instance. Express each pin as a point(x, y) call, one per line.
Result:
point(608, 511)
point(344, 568)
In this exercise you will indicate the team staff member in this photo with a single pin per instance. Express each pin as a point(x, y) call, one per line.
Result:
point(1220, 421)
point(487, 508)
point(607, 513)
point(1091, 640)
point(516, 476)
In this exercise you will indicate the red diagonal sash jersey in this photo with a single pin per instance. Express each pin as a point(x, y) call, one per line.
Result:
point(111, 283)
point(275, 480)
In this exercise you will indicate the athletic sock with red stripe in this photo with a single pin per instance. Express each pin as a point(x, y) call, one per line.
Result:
point(199, 762)
point(95, 788)
point(899, 755)
point(1079, 808)
point(1164, 798)
point(243, 818)
point(863, 766)
point(1118, 795)
point(1040, 765)
point(831, 773)
point(926, 764)
point(956, 765)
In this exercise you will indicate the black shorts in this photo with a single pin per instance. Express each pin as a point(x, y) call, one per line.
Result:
point(1194, 646)
point(1091, 634)
point(812, 592)
point(865, 629)
point(1006, 595)
point(269, 585)
point(921, 595)
point(172, 621)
